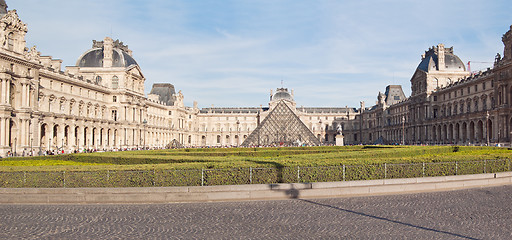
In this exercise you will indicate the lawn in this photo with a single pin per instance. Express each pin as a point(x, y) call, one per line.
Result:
point(251, 157)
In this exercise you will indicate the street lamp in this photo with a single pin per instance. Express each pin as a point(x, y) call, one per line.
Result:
point(237, 133)
point(321, 131)
point(144, 122)
point(487, 127)
point(31, 150)
point(15, 140)
point(403, 130)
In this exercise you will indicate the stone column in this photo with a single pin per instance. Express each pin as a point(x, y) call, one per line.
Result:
point(22, 130)
point(4, 92)
point(7, 91)
point(62, 135)
point(23, 96)
point(71, 137)
point(3, 131)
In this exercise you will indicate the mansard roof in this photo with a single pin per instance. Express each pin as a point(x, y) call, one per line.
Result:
point(430, 60)
point(121, 55)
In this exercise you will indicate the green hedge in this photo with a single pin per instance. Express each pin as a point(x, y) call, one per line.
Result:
point(237, 176)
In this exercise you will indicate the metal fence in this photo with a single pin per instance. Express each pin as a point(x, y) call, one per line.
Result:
point(236, 176)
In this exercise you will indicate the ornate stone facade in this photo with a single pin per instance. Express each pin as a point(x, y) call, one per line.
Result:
point(100, 104)
point(448, 105)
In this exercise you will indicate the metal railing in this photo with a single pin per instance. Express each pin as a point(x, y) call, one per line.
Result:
point(237, 176)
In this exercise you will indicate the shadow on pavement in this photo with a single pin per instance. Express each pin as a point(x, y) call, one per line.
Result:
point(385, 219)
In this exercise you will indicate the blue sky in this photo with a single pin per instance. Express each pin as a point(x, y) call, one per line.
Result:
point(231, 53)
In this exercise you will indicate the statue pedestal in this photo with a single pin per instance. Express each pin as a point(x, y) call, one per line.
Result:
point(339, 140)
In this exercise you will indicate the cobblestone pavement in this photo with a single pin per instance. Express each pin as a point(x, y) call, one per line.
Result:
point(483, 213)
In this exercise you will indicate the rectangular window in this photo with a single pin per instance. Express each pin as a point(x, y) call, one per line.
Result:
point(396, 97)
point(114, 115)
point(114, 99)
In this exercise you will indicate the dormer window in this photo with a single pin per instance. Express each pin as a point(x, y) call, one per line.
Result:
point(10, 41)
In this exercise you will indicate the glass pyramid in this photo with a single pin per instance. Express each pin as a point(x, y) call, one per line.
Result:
point(282, 127)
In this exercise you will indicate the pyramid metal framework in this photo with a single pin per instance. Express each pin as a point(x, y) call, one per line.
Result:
point(282, 127)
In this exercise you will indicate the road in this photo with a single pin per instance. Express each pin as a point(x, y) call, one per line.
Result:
point(483, 213)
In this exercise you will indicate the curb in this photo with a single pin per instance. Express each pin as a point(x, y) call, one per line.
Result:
point(249, 192)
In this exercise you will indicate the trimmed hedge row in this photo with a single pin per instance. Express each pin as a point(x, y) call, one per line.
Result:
point(235, 176)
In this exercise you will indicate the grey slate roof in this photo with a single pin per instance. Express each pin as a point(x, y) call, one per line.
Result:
point(94, 58)
point(165, 92)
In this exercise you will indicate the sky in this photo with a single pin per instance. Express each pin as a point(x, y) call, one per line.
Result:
point(231, 53)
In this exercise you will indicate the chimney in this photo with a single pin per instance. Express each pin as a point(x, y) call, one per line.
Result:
point(440, 55)
point(108, 45)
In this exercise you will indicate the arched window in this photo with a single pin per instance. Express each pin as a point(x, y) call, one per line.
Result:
point(98, 80)
point(115, 82)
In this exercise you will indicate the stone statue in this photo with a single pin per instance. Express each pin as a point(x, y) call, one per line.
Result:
point(497, 59)
point(3, 7)
point(339, 129)
point(33, 54)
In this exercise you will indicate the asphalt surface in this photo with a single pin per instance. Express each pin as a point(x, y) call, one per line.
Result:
point(483, 213)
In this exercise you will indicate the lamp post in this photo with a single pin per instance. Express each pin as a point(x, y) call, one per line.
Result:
point(30, 136)
point(144, 122)
point(237, 133)
point(487, 127)
point(403, 130)
point(15, 140)
point(321, 131)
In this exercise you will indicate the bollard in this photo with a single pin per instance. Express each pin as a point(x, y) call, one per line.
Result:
point(154, 176)
point(343, 172)
point(202, 176)
point(250, 175)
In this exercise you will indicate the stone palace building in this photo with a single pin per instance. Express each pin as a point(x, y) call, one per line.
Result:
point(448, 104)
point(100, 103)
